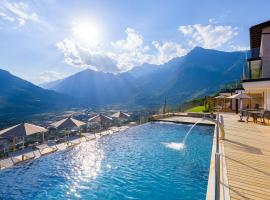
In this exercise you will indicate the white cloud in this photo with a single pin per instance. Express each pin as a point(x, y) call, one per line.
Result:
point(133, 41)
point(48, 76)
point(208, 36)
point(133, 51)
point(18, 12)
point(239, 48)
point(123, 54)
point(167, 51)
point(81, 57)
point(6, 17)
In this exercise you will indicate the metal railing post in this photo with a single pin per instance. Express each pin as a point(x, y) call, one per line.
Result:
point(217, 175)
point(217, 162)
point(222, 136)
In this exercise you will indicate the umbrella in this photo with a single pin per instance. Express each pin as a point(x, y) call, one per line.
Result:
point(67, 123)
point(240, 96)
point(220, 97)
point(22, 130)
point(120, 115)
point(100, 118)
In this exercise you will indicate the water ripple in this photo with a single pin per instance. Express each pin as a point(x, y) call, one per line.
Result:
point(136, 164)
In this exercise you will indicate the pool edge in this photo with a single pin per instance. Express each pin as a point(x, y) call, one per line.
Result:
point(224, 189)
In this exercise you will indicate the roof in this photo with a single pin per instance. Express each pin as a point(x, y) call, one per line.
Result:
point(100, 118)
point(67, 123)
point(120, 115)
point(239, 96)
point(22, 129)
point(255, 33)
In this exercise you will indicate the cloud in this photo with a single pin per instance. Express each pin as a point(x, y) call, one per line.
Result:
point(239, 48)
point(122, 55)
point(133, 41)
point(48, 76)
point(133, 51)
point(78, 56)
point(6, 17)
point(18, 12)
point(208, 36)
point(167, 51)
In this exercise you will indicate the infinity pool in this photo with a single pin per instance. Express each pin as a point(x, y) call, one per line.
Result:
point(139, 163)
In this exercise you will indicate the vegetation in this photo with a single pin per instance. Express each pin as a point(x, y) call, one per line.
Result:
point(197, 109)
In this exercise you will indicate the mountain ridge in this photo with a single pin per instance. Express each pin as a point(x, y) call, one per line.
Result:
point(200, 72)
point(18, 96)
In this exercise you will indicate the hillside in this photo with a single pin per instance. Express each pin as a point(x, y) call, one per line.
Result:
point(20, 97)
point(200, 72)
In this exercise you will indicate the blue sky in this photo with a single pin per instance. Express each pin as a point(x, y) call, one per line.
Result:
point(44, 40)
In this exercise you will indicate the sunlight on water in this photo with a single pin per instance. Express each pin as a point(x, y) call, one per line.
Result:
point(174, 145)
point(85, 164)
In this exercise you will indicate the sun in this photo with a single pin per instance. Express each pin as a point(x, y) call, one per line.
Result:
point(86, 32)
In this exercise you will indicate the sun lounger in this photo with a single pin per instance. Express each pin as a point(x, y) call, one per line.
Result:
point(22, 155)
point(5, 163)
point(62, 146)
point(89, 136)
point(73, 140)
point(45, 149)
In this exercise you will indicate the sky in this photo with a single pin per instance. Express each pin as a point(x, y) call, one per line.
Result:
point(46, 40)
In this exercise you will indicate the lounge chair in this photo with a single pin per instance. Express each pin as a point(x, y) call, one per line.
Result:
point(264, 115)
point(45, 149)
point(5, 163)
point(22, 155)
point(89, 136)
point(73, 140)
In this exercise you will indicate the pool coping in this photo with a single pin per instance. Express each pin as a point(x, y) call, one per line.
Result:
point(183, 122)
point(223, 182)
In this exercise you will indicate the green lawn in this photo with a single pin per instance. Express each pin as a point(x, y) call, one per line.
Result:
point(197, 109)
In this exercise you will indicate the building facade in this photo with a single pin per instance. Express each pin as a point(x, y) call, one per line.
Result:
point(256, 77)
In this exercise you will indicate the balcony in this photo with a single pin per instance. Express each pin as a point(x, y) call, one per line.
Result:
point(253, 69)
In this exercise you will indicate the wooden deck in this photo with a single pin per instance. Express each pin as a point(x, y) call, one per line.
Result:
point(247, 158)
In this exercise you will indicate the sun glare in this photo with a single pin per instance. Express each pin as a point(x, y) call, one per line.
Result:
point(86, 32)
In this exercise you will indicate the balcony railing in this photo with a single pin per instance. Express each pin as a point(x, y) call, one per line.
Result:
point(253, 69)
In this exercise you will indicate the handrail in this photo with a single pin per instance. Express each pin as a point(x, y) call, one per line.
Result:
point(217, 162)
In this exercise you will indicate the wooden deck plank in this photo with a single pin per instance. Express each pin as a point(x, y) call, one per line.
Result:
point(247, 156)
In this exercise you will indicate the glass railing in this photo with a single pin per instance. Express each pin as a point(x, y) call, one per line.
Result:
point(253, 53)
point(253, 69)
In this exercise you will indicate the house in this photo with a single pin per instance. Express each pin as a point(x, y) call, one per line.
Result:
point(256, 77)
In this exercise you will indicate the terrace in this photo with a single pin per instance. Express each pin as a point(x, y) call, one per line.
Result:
point(244, 154)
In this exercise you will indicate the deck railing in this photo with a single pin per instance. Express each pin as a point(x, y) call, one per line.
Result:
point(217, 161)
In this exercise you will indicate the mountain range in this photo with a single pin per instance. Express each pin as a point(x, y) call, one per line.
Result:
point(20, 97)
point(201, 72)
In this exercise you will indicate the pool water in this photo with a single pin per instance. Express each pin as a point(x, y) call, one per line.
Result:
point(135, 164)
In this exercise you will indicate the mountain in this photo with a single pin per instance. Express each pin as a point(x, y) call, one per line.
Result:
point(20, 97)
point(48, 85)
point(98, 88)
point(201, 72)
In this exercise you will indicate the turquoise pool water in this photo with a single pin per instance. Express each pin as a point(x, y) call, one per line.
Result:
point(135, 164)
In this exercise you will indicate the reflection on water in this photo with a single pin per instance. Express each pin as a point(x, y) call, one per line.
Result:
point(136, 164)
point(85, 164)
